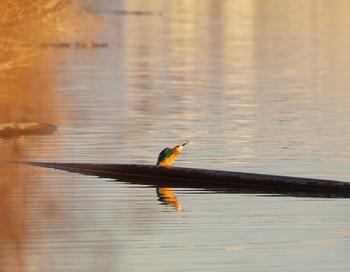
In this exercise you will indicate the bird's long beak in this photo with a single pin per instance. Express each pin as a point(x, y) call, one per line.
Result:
point(185, 143)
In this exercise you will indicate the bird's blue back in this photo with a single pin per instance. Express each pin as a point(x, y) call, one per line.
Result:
point(166, 153)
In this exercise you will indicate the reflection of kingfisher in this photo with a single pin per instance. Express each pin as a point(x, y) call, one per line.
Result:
point(167, 197)
point(169, 155)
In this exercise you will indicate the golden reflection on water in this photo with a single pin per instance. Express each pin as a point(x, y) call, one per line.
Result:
point(167, 197)
point(28, 96)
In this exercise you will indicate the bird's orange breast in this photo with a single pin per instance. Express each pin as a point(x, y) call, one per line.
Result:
point(170, 160)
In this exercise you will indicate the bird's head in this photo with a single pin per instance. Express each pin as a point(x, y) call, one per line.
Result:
point(179, 148)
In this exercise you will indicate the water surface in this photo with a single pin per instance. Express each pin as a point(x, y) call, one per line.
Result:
point(256, 86)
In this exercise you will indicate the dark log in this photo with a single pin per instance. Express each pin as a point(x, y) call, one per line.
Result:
point(208, 179)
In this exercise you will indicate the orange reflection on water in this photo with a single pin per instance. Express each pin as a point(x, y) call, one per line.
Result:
point(28, 95)
point(167, 196)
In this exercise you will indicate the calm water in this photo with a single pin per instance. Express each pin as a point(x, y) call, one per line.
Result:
point(256, 86)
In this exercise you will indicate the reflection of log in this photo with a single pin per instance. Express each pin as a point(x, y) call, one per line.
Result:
point(10, 130)
point(202, 178)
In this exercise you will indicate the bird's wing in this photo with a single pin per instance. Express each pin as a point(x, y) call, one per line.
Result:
point(166, 153)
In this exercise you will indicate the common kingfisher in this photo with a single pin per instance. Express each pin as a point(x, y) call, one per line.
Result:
point(169, 155)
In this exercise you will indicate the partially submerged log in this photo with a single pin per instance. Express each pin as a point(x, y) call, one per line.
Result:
point(203, 178)
point(10, 130)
